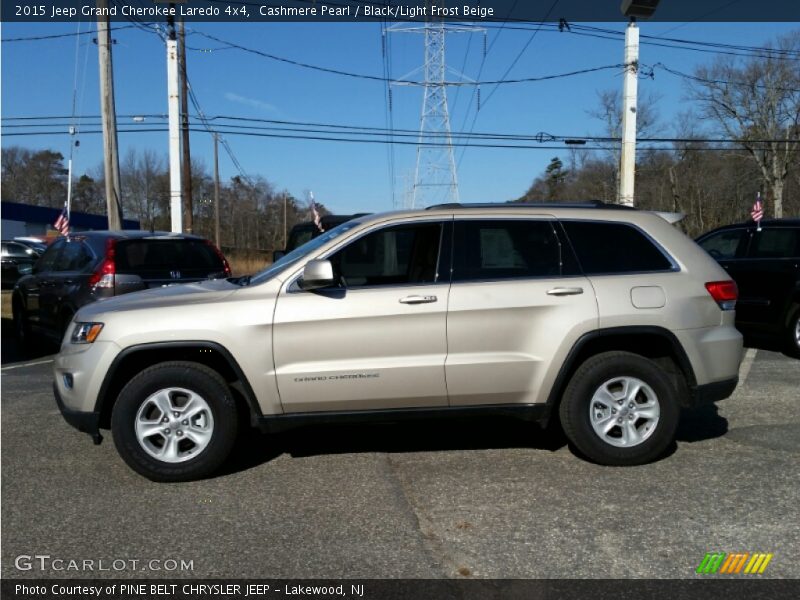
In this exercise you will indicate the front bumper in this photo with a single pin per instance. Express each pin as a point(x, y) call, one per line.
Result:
point(86, 422)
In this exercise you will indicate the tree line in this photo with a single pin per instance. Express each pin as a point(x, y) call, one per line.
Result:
point(753, 103)
point(251, 210)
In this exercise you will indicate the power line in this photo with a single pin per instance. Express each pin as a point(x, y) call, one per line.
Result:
point(60, 35)
point(724, 82)
point(513, 64)
point(362, 130)
point(519, 146)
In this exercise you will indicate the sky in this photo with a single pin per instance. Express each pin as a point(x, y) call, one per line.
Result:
point(41, 78)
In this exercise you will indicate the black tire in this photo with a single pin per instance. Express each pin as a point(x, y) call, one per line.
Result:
point(577, 404)
point(197, 379)
point(22, 327)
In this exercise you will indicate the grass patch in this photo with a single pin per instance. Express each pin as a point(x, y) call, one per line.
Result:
point(247, 263)
point(7, 304)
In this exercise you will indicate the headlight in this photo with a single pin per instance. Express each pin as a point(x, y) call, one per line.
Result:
point(85, 333)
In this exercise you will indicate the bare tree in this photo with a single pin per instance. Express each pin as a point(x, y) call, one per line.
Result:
point(757, 99)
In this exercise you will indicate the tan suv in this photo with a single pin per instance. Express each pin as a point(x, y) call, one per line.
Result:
point(609, 319)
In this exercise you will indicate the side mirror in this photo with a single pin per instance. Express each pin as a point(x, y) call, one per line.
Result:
point(25, 269)
point(316, 274)
point(277, 255)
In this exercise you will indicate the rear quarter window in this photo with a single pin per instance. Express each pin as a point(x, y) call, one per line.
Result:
point(605, 248)
point(724, 244)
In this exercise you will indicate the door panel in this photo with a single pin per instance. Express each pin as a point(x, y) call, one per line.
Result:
point(515, 303)
point(767, 277)
point(361, 349)
point(503, 337)
point(377, 341)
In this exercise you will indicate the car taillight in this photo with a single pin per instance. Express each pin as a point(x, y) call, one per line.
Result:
point(221, 256)
point(103, 277)
point(724, 293)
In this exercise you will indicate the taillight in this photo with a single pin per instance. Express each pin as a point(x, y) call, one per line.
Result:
point(724, 293)
point(221, 256)
point(103, 277)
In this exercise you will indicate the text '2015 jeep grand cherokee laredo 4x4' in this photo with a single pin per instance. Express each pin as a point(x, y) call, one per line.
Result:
point(606, 318)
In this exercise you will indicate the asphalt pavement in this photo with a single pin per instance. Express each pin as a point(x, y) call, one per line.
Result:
point(488, 498)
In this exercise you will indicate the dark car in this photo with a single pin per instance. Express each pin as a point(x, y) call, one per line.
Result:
point(765, 264)
point(37, 245)
point(84, 267)
point(14, 256)
point(304, 232)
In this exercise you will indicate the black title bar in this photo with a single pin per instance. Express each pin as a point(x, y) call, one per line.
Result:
point(500, 11)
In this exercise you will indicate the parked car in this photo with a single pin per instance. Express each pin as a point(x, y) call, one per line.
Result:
point(36, 244)
point(609, 319)
point(14, 256)
point(765, 264)
point(304, 232)
point(84, 267)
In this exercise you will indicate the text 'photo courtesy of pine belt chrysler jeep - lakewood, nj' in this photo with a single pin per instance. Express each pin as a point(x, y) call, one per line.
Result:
point(605, 318)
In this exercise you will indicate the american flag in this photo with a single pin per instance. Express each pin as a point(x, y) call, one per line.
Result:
point(757, 213)
point(62, 222)
point(315, 215)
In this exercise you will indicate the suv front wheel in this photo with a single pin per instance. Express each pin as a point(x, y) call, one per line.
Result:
point(175, 421)
point(620, 409)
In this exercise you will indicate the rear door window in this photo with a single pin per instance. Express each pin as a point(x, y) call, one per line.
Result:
point(74, 257)
point(775, 243)
point(724, 245)
point(48, 260)
point(604, 248)
point(505, 249)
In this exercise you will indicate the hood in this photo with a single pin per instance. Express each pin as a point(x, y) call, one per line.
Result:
point(182, 294)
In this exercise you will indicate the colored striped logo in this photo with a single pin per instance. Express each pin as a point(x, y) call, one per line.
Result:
point(734, 563)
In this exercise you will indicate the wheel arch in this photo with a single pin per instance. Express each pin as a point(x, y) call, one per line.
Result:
point(136, 358)
point(653, 342)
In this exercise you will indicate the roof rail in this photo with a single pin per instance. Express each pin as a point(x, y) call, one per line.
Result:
point(513, 205)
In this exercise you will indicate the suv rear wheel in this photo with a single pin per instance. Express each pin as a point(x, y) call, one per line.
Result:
point(175, 421)
point(620, 409)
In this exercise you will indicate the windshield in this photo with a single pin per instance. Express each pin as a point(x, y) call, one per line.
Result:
point(299, 253)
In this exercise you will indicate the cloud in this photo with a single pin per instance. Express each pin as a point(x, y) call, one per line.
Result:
point(266, 106)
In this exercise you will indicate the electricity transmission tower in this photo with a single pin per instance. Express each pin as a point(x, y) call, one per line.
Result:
point(435, 179)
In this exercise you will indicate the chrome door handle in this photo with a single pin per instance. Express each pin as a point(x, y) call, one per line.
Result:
point(418, 299)
point(565, 291)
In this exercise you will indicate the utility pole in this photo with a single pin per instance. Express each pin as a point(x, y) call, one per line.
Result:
point(216, 189)
point(187, 161)
point(633, 9)
point(173, 98)
point(627, 165)
point(108, 111)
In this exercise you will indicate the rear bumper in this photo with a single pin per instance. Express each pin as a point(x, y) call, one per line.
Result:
point(712, 392)
point(85, 422)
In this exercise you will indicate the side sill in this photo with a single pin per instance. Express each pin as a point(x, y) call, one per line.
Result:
point(525, 412)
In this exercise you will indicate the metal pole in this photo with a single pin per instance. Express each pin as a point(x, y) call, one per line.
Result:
point(187, 161)
point(173, 98)
point(216, 189)
point(285, 235)
point(110, 152)
point(627, 164)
